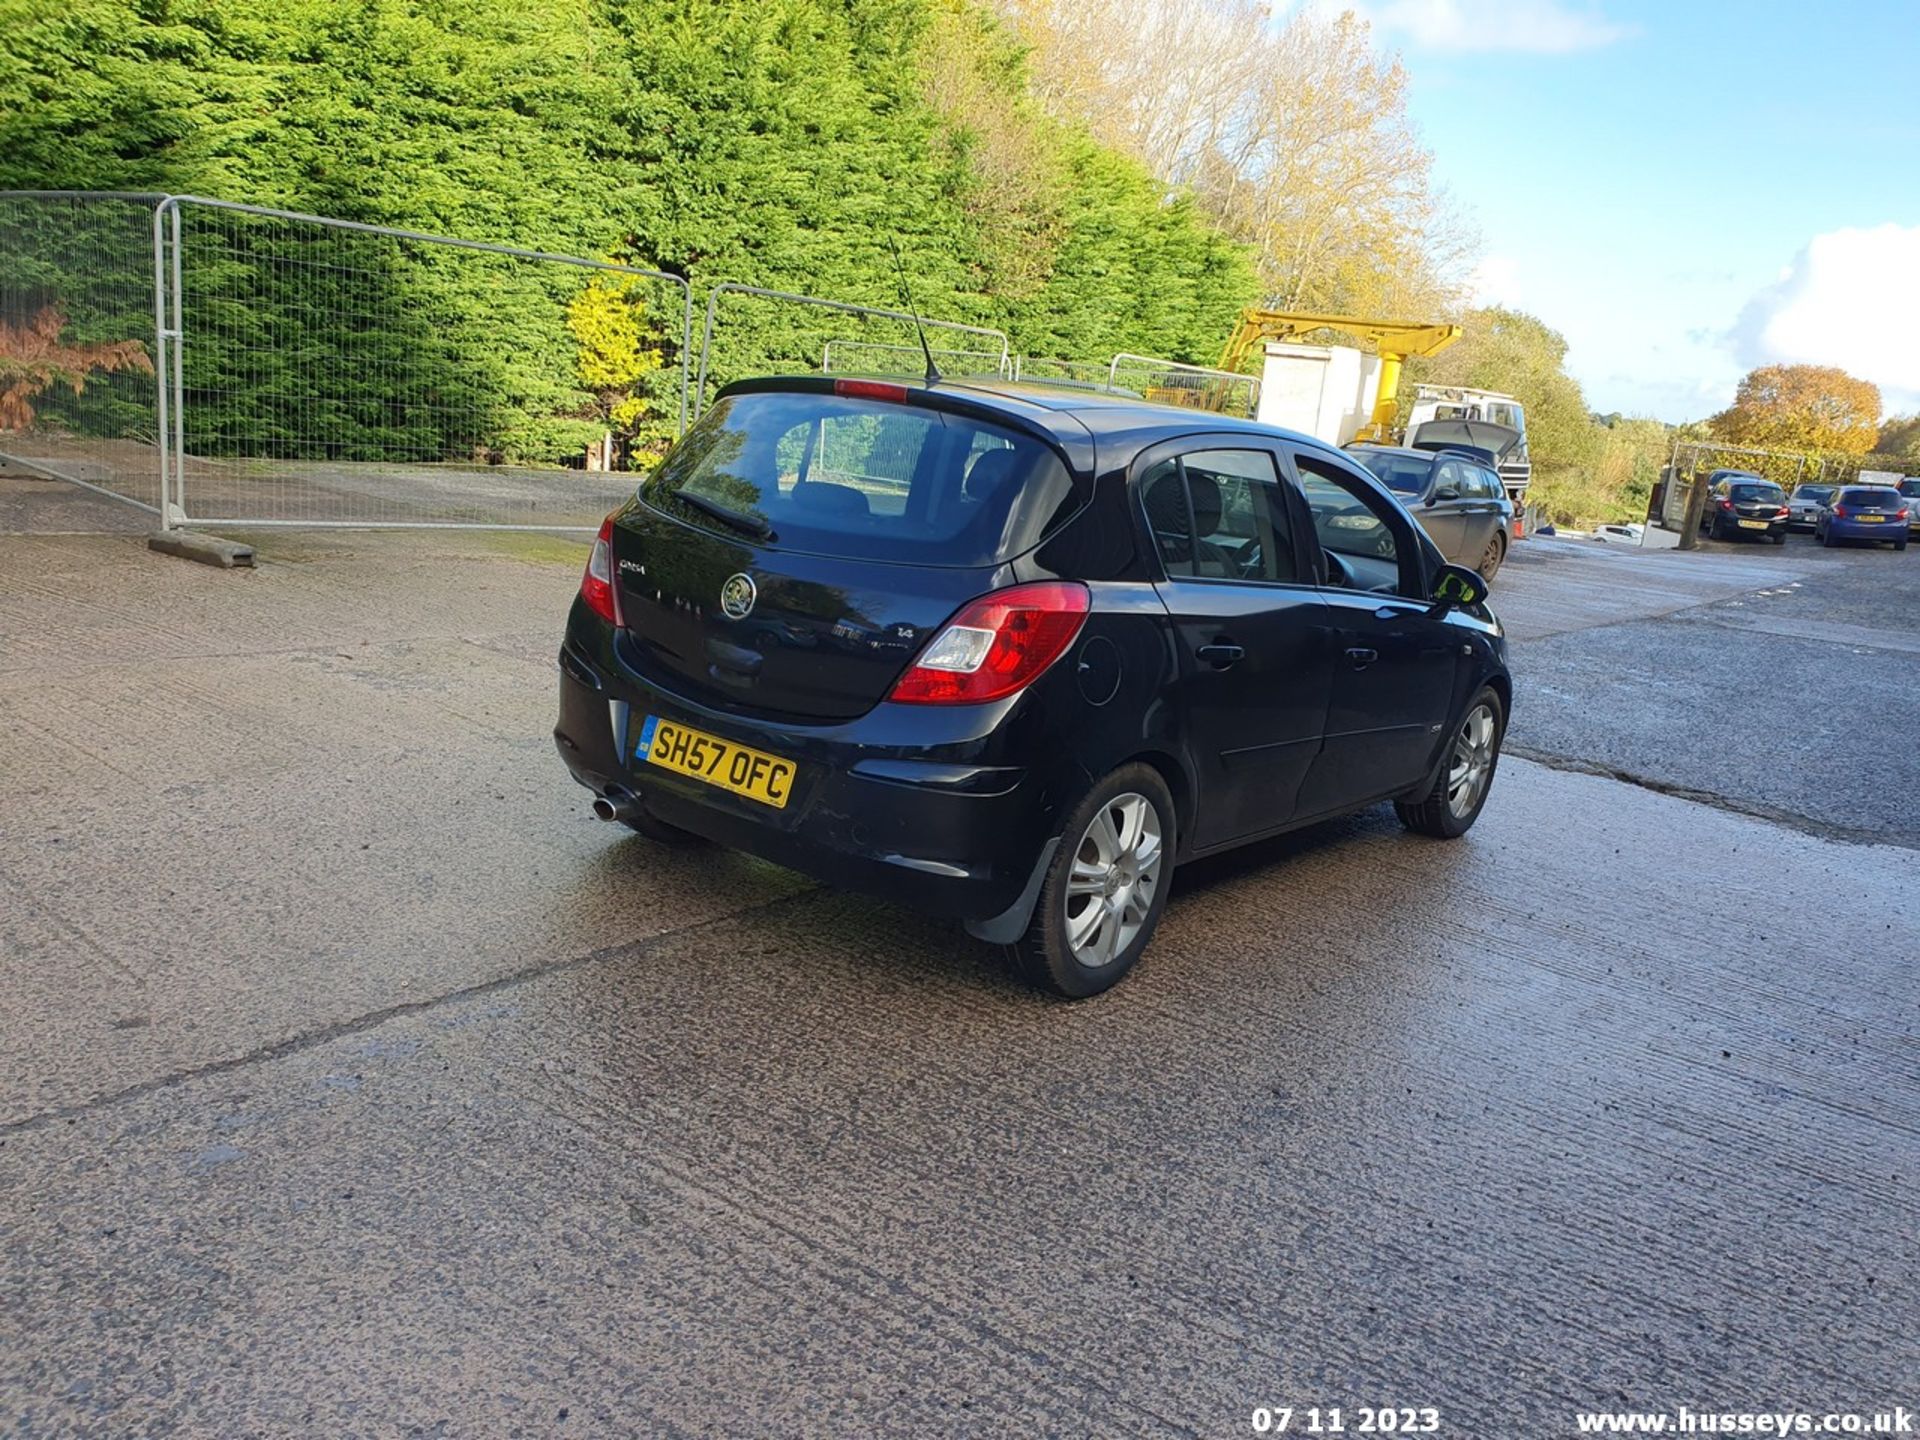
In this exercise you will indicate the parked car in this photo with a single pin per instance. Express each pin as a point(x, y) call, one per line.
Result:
point(1805, 504)
point(1743, 506)
point(1457, 498)
point(1062, 642)
point(1877, 513)
point(1909, 489)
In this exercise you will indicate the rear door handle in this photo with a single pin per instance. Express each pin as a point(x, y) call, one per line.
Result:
point(1221, 654)
point(1362, 657)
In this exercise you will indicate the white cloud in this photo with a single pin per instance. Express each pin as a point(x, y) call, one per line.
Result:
point(1851, 299)
point(1540, 27)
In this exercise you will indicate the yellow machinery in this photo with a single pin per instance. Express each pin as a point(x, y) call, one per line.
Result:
point(1395, 340)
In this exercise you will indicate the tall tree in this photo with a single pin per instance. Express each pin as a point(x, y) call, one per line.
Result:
point(1293, 135)
point(1802, 407)
point(1520, 355)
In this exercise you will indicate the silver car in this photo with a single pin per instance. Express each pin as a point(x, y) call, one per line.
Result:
point(1457, 497)
point(1806, 503)
point(1910, 487)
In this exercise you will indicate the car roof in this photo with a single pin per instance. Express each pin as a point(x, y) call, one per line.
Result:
point(1445, 452)
point(1070, 414)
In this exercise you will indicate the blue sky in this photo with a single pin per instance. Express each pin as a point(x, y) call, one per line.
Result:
point(1684, 189)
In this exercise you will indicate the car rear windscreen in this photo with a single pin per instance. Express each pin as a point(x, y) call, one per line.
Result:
point(861, 479)
point(1757, 493)
point(1874, 499)
point(1406, 474)
point(1813, 492)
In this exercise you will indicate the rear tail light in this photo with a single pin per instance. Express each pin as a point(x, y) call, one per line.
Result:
point(1899, 514)
point(871, 390)
point(596, 586)
point(1726, 504)
point(996, 646)
point(1839, 513)
point(1781, 513)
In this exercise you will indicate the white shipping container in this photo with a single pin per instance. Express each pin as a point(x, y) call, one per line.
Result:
point(1326, 391)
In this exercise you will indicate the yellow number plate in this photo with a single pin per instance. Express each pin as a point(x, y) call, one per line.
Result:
point(1871, 519)
point(752, 773)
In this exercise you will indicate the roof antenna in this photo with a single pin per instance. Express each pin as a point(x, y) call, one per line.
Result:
point(919, 327)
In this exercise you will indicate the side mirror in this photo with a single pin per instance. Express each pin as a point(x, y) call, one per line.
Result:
point(1445, 492)
point(1457, 585)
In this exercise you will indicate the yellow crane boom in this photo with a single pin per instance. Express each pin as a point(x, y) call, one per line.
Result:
point(1395, 340)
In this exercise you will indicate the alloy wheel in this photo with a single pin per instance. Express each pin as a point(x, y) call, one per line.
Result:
point(1114, 877)
point(1472, 764)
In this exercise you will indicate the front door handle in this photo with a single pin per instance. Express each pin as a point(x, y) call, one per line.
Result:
point(1221, 654)
point(1362, 657)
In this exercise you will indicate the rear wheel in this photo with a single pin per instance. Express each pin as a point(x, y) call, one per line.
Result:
point(1495, 556)
point(1454, 803)
point(1105, 886)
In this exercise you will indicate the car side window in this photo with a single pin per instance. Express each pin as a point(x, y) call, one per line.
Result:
point(1490, 486)
point(1219, 515)
point(1368, 544)
point(1449, 479)
point(1163, 495)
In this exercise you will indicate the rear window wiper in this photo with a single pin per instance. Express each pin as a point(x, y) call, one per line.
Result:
point(746, 524)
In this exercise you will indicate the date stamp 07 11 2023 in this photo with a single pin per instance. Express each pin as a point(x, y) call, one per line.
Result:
point(1339, 1420)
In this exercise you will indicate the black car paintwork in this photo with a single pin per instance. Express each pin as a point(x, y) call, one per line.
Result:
point(1338, 699)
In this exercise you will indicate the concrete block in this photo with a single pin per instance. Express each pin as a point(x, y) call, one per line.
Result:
point(206, 549)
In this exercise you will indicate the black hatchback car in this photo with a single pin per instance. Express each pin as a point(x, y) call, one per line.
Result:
point(1743, 506)
point(1009, 654)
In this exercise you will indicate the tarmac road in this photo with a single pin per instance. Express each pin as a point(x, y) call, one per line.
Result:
point(1786, 682)
point(353, 1082)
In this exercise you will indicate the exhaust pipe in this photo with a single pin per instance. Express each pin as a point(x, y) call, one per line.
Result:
point(616, 804)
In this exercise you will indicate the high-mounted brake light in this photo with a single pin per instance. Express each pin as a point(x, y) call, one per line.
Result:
point(870, 390)
point(596, 586)
point(997, 645)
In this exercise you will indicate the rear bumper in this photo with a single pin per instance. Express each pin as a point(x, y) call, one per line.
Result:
point(935, 827)
point(1733, 527)
point(1891, 531)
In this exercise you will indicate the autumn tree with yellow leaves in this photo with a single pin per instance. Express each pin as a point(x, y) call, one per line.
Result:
point(1812, 408)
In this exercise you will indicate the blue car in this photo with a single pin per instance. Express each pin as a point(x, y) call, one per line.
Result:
point(1864, 512)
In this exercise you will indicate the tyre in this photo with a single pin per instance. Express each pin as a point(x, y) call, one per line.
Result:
point(1780, 539)
point(1495, 556)
point(1105, 886)
point(1454, 803)
point(1899, 544)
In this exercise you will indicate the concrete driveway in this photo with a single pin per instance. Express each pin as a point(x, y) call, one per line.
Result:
point(354, 1082)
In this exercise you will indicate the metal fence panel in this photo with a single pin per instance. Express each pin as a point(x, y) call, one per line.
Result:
point(1194, 387)
point(843, 356)
point(788, 338)
point(337, 374)
point(1074, 372)
point(79, 362)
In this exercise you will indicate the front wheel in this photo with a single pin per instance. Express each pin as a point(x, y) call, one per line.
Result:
point(1105, 886)
point(1459, 792)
